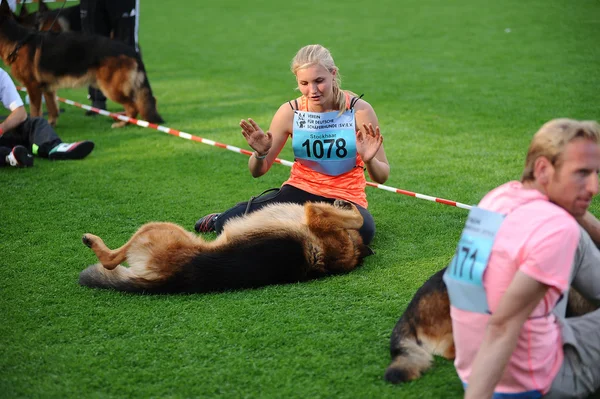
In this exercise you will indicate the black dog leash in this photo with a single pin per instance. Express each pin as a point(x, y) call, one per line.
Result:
point(258, 196)
point(57, 16)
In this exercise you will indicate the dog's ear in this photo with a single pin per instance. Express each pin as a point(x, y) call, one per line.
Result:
point(4, 8)
point(43, 7)
point(23, 12)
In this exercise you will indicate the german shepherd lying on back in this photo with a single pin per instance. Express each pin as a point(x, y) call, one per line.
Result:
point(425, 329)
point(278, 244)
point(45, 61)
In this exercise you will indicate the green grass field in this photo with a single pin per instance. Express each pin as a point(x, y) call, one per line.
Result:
point(459, 88)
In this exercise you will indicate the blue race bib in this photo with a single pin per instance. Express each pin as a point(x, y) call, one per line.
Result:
point(464, 275)
point(325, 142)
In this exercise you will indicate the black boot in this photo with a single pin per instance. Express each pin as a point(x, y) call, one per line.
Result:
point(96, 104)
point(98, 100)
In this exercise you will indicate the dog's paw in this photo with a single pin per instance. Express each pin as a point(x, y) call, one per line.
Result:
point(86, 240)
point(316, 258)
point(118, 125)
point(338, 203)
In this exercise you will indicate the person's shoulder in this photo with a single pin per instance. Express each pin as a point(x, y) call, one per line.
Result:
point(364, 113)
point(283, 118)
point(547, 209)
point(527, 208)
point(289, 107)
point(547, 216)
point(360, 104)
point(363, 110)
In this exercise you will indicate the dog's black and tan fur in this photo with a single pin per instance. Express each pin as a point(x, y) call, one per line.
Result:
point(46, 61)
point(281, 243)
point(425, 329)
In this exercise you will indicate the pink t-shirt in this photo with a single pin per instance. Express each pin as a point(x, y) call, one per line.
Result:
point(539, 239)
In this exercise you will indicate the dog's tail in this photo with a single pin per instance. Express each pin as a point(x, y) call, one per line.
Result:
point(424, 330)
point(120, 279)
point(409, 358)
point(145, 101)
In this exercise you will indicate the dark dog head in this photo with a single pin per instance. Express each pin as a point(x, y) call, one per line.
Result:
point(26, 18)
point(48, 20)
point(42, 20)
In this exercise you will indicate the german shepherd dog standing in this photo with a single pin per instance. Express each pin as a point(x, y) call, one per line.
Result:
point(46, 61)
point(278, 244)
point(425, 329)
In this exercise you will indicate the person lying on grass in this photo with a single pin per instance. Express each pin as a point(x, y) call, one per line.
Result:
point(21, 136)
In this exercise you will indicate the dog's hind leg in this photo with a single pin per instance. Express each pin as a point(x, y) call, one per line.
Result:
point(109, 258)
point(50, 97)
point(152, 240)
point(117, 79)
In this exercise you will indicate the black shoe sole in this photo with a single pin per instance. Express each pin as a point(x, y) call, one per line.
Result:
point(24, 159)
point(81, 151)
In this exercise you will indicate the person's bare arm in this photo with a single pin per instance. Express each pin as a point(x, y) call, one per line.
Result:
point(501, 334)
point(14, 119)
point(370, 143)
point(591, 224)
point(270, 143)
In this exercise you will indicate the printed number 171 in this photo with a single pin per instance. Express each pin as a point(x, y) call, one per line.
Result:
point(467, 254)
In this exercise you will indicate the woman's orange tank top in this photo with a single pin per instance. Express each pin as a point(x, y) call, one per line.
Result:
point(349, 186)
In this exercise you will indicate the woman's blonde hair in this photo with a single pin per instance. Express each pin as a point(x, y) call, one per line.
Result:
point(550, 141)
point(315, 54)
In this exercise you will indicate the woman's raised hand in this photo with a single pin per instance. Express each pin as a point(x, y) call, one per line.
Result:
point(367, 144)
point(257, 139)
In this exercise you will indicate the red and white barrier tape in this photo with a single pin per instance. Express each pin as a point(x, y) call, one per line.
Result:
point(420, 196)
point(188, 136)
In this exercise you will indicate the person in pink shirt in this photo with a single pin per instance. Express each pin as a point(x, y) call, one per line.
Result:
point(514, 264)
